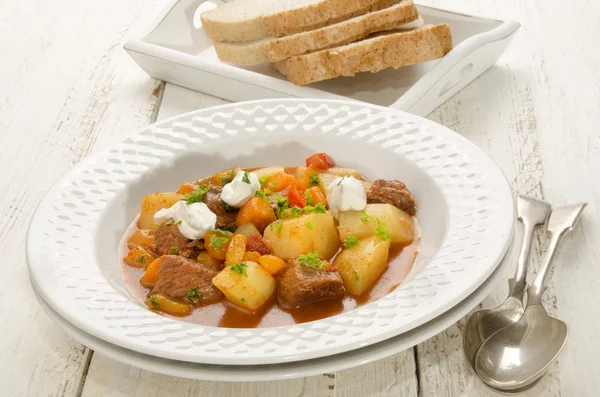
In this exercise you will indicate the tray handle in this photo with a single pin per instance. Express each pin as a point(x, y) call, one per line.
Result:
point(458, 68)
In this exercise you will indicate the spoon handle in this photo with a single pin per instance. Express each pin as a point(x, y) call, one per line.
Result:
point(531, 212)
point(561, 221)
point(520, 280)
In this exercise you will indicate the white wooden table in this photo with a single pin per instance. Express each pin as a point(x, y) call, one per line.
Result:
point(67, 88)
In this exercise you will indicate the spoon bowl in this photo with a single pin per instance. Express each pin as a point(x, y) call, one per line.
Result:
point(534, 342)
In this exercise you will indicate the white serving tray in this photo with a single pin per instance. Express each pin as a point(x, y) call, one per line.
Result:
point(178, 51)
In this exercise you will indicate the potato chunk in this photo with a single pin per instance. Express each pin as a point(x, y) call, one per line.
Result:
point(360, 265)
point(154, 202)
point(264, 172)
point(399, 223)
point(247, 229)
point(298, 236)
point(246, 284)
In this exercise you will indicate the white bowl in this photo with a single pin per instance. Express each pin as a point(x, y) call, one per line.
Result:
point(465, 211)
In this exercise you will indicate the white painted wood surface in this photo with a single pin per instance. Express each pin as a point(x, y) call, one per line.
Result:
point(68, 88)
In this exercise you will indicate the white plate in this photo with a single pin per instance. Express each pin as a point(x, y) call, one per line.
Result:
point(465, 211)
point(177, 50)
point(298, 369)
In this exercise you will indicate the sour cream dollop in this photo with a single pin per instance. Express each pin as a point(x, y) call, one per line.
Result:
point(192, 220)
point(238, 192)
point(346, 194)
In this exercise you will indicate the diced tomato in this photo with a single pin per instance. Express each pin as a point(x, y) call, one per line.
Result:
point(296, 197)
point(321, 161)
point(256, 244)
point(316, 196)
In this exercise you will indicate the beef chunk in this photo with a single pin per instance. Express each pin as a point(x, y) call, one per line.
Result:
point(169, 240)
point(394, 193)
point(186, 280)
point(225, 214)
point(256, 244)
point(300, 285)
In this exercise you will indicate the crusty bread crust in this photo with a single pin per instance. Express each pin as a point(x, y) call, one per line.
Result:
point(278, 24)
point(341, 33)
point(370, 55)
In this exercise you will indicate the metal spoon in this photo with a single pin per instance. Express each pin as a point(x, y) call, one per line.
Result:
point(483, 323)
point(518, 355)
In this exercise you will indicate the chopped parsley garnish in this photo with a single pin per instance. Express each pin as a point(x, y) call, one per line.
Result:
point(227, 178)
point(154, 302)
point(170, 222)
point(197, 195)
point(141, 259)
point(319, 209)
point(355, 276)
point(277, 225)
point(263, 179)
point(311, 260)
point(150, 232)
point(282, 204)
point(243, 300)
point(246, 177)
point(364, 218)
point(351, 241)
point(314, 180)
point(218, 242)
point(262, 193)
point(309, 199)
point(239, 268)
point(272, 185)
point(296, 212)
point(226, 206)
point(194, 294)
point(381, 231)
point(309, 225)
point(178, 223)
point(173, 250)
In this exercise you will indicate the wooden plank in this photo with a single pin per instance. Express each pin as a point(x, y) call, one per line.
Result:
point(68, 84)
point(107, 377)
point(392, 376)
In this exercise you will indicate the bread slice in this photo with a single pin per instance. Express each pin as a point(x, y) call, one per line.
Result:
point(341, 33)
point(381, 51)
point(244, 21)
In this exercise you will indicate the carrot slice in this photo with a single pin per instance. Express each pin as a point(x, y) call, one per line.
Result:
point(315, 196)
point(216, 243)
point(279, 181)
point(258, 212)
point(169, 306)
point(237, 249)
point(271, 263)
point(151, 276)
